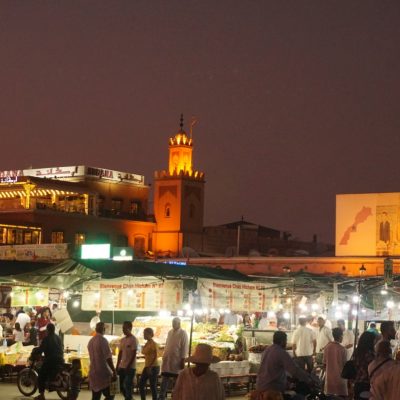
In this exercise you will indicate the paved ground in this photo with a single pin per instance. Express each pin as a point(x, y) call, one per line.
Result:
point(9, 391)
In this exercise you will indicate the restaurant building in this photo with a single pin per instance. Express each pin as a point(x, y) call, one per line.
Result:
point(76, 205)
point(83, 204)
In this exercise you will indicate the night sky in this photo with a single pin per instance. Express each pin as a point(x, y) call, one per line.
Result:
point(297, 100)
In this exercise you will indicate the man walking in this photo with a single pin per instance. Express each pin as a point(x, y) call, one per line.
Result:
point(304, 344)
point(324, 336)
point(275, 363)
point(175, 352)
point(348, 338)
point(126, 364)
point(335, 356)
point(102, 369)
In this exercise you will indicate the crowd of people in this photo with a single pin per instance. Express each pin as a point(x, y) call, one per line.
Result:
point(373, 362)
point(25, 325)
point(196, 383)
point(315, 343)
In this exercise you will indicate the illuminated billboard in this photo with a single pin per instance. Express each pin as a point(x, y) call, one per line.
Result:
point(95, 251)
point(368, 224)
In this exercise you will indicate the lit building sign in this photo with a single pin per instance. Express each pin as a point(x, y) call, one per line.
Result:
point(78, 171)
point(122, 253)
point(9, 179)
point(181, 263)
point(11, 175)
point(95, 251)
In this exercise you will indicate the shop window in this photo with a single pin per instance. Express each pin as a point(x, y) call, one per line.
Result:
point(100, 204)
point(80, 238)
point(57, 237)
point(27, 237)
point(3, 236)
point(139, 246)
point(35, 237)
point(167, 211)
point(134, 207)
point(116, 206)
point(12, 235)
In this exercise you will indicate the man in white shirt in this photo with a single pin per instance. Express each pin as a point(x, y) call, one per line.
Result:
point(23, 318)
point(94, 321)
point(175, 352)
point(348, 338)
point(304, 344)
point(231, 318)
point(199, 383)
point(324, 336)
point(126, 363)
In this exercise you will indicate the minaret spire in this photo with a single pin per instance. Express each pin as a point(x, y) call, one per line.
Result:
point(181, 124)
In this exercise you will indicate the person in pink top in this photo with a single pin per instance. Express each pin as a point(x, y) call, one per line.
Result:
point(42, 323)
point(102, 369)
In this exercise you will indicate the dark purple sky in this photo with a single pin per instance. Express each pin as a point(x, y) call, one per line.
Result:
point(297, 100)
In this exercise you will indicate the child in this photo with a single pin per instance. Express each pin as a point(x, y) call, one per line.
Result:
point(30, 335)
point(75, 379)
point(18, 333)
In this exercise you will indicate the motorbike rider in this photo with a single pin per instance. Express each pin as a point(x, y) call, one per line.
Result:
point(275, 363)
point(53, 360)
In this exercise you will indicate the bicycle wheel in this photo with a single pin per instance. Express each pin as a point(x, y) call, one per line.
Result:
point(27, 381)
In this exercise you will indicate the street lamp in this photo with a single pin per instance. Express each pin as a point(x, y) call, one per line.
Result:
point(286, 269)
point(362, 271)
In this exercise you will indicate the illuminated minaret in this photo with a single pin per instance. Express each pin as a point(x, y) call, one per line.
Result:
point(180, 152)
point(178, 198)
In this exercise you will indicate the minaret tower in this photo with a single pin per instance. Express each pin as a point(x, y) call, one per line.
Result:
point(180, 152)
point(178, 199)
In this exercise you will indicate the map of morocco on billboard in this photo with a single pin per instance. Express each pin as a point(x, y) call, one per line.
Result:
point(368, 224)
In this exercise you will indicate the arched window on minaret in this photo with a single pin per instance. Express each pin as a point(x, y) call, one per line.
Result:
point(167, 211)
point(192, 211)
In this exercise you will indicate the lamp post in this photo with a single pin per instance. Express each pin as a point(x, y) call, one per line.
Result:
point(286, 270)
point(362, 271)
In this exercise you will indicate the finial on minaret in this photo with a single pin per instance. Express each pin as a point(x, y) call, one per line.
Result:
point(181, 124)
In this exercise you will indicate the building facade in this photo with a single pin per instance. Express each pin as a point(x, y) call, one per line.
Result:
point(82, 204)
point(75, 205)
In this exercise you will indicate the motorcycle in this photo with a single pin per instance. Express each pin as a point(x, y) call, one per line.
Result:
point(27, 380)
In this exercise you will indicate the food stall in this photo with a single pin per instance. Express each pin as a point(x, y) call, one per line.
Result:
point(237, 299)
point(117, 286)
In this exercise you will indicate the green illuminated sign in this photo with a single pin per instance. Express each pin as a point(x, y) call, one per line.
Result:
point(95, 251)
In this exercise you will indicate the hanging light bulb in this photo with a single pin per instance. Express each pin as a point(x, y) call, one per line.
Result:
point(390, 304)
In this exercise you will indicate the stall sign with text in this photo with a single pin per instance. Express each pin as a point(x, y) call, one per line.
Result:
point(135, 294)
point(237, 296)
point(29, 296)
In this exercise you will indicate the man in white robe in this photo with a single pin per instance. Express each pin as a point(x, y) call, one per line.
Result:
point(175, 352)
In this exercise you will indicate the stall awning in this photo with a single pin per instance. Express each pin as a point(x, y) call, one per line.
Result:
point(72, 272)
point(116, 269)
